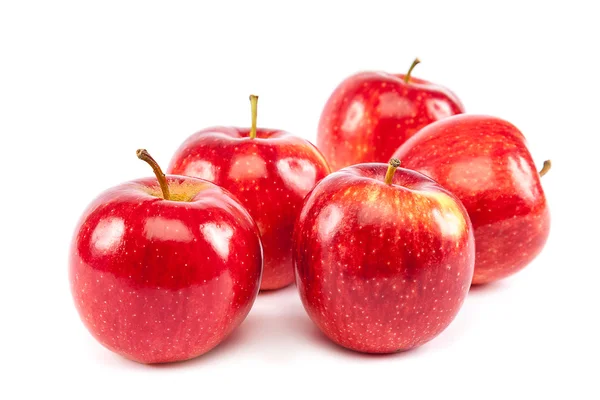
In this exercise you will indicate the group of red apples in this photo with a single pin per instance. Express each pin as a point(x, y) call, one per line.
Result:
point(384, 226)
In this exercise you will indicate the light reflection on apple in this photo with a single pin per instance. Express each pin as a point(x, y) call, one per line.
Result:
point(202, 169)
point(248, 165)
point(108, 234)
point(297, 173)
point(159, 228)
point(219, 236)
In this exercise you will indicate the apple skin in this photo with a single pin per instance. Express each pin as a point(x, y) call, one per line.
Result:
point(370, 114)
point(269, 175)
point(160, 281)
point(382, 268)
point(484, 161)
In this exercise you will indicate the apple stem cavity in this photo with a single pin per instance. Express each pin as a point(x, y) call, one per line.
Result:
point(545, 168)
point(392, 166)
point(413, 65)
point(254, 108)
point(143, 155)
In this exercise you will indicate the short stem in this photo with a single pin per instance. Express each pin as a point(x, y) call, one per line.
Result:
point(392, 166)
point(545, 168)
point(143, 154)
point(413, 65)
point(254, 108)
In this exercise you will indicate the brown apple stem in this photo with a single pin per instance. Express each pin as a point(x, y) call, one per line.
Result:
point(392, 166)
point(413, 65)
point(545, 168)
point(143, 154)
point(254, 107)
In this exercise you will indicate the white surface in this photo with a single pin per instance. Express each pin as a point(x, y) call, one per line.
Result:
point(82, 87)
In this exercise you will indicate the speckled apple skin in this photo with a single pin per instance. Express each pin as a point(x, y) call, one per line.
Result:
point(159, 281)
point(270, 175)
point(370, 114)
point(485, 162)
point(382, 268)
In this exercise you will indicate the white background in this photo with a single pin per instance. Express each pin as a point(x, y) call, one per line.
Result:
point(83, 86)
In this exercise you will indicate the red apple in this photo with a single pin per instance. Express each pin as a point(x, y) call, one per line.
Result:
point(164, 272)
point(269, 171)
point(370, 114)
point(484, 161)
point(382, 264)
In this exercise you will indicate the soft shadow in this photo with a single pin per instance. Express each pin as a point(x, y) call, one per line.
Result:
point(269, 293)
point(278, 329)
point(260, 327)
point(273, 292)
point(315, 336)
point(232, 342)
point(477, 290)
point(107, 357)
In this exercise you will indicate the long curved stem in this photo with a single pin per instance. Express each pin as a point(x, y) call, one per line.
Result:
point(413, 65)
point(143, 155)
point(545, 168)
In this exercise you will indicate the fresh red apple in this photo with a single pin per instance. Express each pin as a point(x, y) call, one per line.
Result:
point(164, 270)
point(484, 161)
point(370, 114)
point(269, 171)
point(383, 257)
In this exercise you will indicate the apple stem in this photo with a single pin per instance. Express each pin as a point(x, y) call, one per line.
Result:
point(143, 155)
point(392, 166)
point(545, 168)
point(413, 65)
point(254, 108)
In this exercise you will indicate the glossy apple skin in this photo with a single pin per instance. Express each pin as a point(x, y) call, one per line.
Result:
point(269, 175)
point(159, 281)
point(370, 114)
point(382, 268)
point(484, 161)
